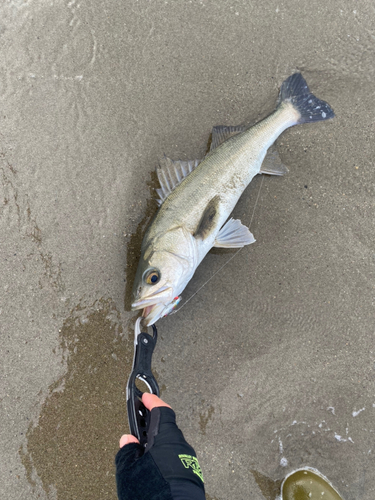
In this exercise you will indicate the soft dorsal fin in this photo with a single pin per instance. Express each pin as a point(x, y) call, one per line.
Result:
point(222, 132)
point(171, 173)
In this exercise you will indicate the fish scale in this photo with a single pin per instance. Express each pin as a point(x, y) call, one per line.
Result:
point(198, 197)
point(226, 171)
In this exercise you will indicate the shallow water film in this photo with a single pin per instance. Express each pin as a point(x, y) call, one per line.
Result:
point(270, 367)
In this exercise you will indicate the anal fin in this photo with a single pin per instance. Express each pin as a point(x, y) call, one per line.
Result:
point(272, 164)
point(234, 235)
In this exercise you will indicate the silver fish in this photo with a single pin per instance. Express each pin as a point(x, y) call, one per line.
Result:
point(197, 198)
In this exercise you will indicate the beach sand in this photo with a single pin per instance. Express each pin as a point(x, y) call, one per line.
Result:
point(270, 366)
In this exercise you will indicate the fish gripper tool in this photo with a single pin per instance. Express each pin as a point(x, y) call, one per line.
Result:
point(138, 414)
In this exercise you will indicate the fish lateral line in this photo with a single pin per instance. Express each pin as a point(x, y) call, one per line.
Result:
point(200, 195)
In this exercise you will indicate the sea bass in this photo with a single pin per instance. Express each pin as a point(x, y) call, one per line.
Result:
point(197, 198)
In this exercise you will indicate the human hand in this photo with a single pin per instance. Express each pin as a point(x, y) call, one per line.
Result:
point(150, 401)
point(167, 469)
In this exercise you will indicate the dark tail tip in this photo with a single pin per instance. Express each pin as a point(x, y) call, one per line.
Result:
point(295, 90)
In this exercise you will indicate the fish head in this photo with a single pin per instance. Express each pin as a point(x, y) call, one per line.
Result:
point(166, 265)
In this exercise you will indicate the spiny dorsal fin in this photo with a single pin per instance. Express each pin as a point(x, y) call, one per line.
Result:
point(272, 164)
point(171, 173)
point(222, 132)
point(208, 221)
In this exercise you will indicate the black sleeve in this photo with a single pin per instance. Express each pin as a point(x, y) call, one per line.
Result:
point(186, 491)
point(167, 470)
point(138, 477)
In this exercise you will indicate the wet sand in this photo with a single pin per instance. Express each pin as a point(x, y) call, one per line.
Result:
point(271, 366)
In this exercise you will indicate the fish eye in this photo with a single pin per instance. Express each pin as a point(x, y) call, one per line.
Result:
point(151, 276)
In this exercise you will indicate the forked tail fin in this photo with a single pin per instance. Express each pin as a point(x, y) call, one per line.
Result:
point(295, 90)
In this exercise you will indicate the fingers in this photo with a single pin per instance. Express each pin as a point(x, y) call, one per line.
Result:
point(151, 401)
point(127, 439)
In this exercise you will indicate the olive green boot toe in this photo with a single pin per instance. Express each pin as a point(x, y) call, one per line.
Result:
point(308, 484)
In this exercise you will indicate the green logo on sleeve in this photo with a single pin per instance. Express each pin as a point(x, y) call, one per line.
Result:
point(192, 462)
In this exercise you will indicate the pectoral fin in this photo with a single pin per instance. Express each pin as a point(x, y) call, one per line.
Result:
point(207, 224)
point(233, 235)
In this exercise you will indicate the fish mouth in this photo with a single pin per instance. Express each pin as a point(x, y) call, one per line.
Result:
point(151, 314)
point(154, 305)
point(163, 295)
